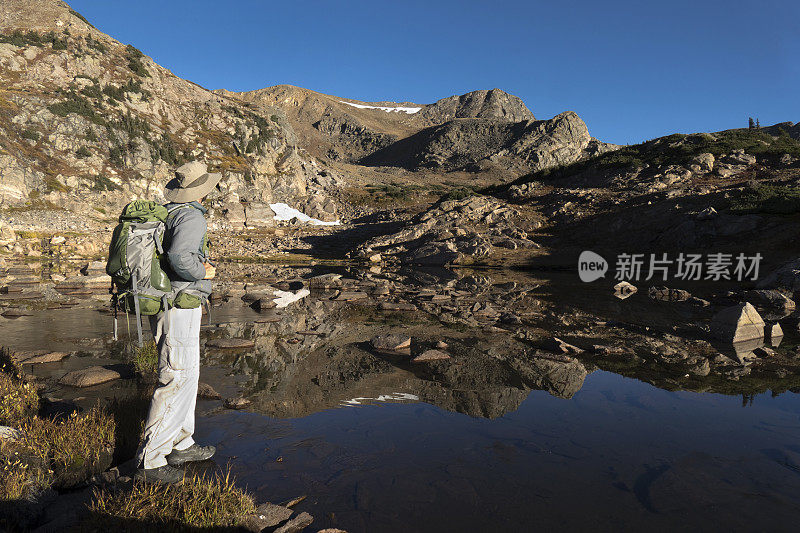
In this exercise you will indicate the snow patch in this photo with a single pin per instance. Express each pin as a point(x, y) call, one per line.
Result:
point(395, 396)
point(284, 298)
point(408, 110)
point(284, 212)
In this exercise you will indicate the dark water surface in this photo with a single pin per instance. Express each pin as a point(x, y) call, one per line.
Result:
point(620, 454)
point(602, 453)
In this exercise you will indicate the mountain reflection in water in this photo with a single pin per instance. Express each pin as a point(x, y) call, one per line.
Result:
point(560, 407)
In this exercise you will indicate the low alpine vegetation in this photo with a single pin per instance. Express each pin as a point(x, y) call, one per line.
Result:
point(198, 502)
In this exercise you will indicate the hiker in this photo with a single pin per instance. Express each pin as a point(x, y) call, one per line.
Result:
point(169, 426)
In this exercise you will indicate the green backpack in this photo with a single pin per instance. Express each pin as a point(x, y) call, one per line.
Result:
point(134, 261)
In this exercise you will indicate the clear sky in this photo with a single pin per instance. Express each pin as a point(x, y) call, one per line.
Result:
point(632, 69)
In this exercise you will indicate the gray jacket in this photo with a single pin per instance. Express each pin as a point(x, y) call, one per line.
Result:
point(183, 243)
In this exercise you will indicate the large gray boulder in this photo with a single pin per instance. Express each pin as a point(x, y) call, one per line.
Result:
point(738, 323)
point(94, 375)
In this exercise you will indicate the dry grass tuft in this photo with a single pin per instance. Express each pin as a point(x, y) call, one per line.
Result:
point(199, 502)
point(74, 448)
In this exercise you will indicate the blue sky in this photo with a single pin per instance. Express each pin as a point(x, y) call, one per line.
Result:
point(633, 70)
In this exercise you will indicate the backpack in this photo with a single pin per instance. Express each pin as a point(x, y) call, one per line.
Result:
point(134, 261)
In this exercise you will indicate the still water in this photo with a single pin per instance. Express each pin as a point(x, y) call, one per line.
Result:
point(475, 445)
point(619, 455)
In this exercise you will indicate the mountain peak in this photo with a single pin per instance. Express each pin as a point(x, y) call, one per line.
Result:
point(491, 103)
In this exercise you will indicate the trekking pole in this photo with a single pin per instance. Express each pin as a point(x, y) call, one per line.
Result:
point(136, 308)
point(114, 305)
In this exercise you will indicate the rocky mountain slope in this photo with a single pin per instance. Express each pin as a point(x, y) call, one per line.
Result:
point(86, 120)
point(480, 130)
point(343, 129)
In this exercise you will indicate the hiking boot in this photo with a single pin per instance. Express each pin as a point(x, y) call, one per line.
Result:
point(191, 454)
point(162, 474)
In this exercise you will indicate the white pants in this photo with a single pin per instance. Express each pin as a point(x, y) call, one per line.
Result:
point(170, 420)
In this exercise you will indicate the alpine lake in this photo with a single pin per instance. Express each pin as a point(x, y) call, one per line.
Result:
point(469, 400)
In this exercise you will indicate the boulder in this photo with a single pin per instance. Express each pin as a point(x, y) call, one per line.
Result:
point(707, 214)
point(87, 377)
point(267, 515)
point(263, 304)
point(29, 358)
point(434, 254)
point(325, 281)
point(702, 163)
point(237, 403)
point(392, 342)
point(738, 323)
point(623, 290)
point(430, 355)
point(775, 334)
point(739, 157)
point(296, 524)
point(771, 298)
point(258, 215)
point(8, 433)
point(666, 294)
point(207, 392)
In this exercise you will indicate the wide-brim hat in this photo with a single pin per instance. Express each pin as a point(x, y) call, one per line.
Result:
point(192, 182)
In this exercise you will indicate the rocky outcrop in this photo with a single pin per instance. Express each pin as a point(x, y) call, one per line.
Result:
point(480, 144)
point(474, 130)
point(453, 232)
point(86, 119)
point(492, 104)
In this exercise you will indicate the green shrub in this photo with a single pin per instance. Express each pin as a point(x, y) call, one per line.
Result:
point(83, 152)
point(116, 155)
point(31, 38)
point(768, 199)
point(145, 359)
point(96, 45)
point(91, 135)
point(114, 92)
point(458, 194)
point(102, 183)
point(164, 149)
point(78, 105)
point(17, 38)
point(75, 13)
point(92, 91)
point(135, 56)
point(30, 134)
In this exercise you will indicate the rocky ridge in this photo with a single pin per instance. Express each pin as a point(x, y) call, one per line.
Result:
point(84, 118)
